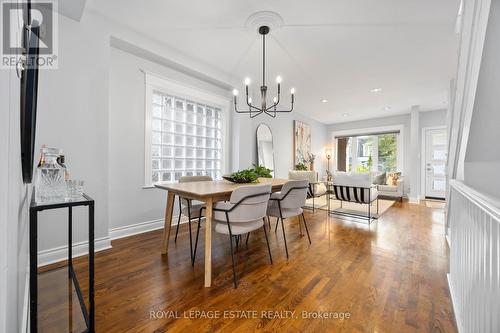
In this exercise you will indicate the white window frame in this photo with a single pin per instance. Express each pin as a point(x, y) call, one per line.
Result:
point(170, 87)
point(374, 130)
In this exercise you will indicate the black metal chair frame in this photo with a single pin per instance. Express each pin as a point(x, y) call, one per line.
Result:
point(359, 200)
point(281, 216)
point(310, 195)
point(227, 211)
point(189, 223)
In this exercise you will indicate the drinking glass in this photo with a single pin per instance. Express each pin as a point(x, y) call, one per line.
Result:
point(74, 188)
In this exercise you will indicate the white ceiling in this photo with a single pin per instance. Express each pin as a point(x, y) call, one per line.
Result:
point(334, 50)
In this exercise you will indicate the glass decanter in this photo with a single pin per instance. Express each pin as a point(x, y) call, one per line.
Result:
point(50, 185)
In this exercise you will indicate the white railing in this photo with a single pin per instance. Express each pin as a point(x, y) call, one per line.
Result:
point(474, 277)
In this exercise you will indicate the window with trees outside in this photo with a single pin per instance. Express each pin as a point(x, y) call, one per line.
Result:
point(367, 153)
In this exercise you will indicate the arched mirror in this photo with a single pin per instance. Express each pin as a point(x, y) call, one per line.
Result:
point(265, 152)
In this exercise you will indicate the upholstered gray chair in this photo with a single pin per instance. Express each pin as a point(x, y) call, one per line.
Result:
point(316, 188)
point(243, 213)
point(190, 208)
point(288, 203)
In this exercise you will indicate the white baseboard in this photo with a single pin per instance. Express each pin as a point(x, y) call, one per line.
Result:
point(50, 256)
point(455, 305)
point(414, 200)
point(57, 254)
point(135, 229)
point(142, 227)
point(26, 305)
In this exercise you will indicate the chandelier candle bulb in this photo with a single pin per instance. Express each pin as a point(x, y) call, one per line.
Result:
point(247, 81)
point(235, 92)
point(278, 79)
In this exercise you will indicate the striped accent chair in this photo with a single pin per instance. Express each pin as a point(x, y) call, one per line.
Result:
point(355, 188)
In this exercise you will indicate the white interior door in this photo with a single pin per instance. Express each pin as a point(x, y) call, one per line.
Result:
point(435, 162)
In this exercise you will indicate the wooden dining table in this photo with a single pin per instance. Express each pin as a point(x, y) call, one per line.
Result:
point(208, 192)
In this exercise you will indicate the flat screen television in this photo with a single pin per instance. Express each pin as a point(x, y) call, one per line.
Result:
point(29, 87)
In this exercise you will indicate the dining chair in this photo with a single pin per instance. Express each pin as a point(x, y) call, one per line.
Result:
point(243, 213)
point(288, 203)
point(193, 210)
point(317, 189)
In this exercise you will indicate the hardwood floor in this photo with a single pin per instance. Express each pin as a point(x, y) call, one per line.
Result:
point(389, 277)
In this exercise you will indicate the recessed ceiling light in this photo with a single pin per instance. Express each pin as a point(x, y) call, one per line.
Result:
point(387, 108)
point(376, 90)
point(323, 100)
point(345, 114)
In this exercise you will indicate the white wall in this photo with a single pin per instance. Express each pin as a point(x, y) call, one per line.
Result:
point(14, 198)
point(283, 136)
point(433, 118)
point(426, 119)
point(403, 120)
point(72, 115)
point(129, 202)
point(482, 161)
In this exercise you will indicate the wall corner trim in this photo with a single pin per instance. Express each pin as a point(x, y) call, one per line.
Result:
point(414, 200)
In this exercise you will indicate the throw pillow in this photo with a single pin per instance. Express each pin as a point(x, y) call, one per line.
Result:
point(393, 177)
point(380, 179)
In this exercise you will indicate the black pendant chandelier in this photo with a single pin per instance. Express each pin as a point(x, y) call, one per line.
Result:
point(272, 110)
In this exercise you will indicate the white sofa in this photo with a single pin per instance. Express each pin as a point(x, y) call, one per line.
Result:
point(392, 191)
point(388, 190)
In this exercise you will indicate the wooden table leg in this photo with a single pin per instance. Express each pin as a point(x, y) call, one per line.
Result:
point(208, 243)
point(169, 210)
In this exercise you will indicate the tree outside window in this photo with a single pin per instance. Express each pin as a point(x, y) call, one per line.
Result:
point(368, 153)
point(387, 152)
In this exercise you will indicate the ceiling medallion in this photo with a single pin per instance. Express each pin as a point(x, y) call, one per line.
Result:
point(270, 19)
point(272, 110)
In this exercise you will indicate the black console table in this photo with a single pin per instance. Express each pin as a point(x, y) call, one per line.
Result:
point(35, 208)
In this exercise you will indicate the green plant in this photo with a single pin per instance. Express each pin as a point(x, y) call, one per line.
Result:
point(369, 163)
point(362, 169)
point(250, 175)
point(387, 152)
point(301, 166)
point(244, 176)
point(262, 171)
